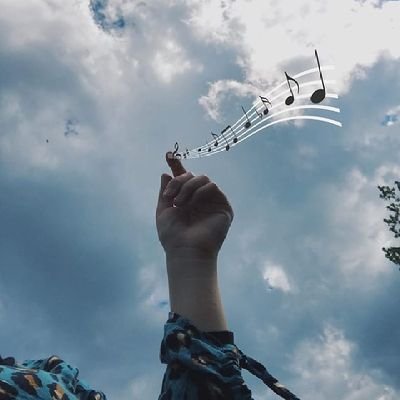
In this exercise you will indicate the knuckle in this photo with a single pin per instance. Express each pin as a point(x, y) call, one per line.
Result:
point(205, 178)
point(184, 177)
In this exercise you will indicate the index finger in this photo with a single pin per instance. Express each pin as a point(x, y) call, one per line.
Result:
point(175, 164)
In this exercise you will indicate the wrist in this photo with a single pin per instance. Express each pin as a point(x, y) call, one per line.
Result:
point(185, 266)
point(194, 291)
point(191, 253)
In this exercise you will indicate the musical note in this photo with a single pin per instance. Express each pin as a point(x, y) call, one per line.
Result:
point(234, 136)
point(265, 100)
point(227, 144)
point(316, 97)
point(319, 94)
point(209, 148)
point(175, 153)
point(216, 140)
point(290, 99)
point(248, 123)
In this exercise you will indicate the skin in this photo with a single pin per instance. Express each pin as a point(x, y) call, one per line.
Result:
point(192, 223)
point(195, 217)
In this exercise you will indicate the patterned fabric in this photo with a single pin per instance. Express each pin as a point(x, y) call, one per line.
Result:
point(46, 379)
point(200, 366)
point(207, 365)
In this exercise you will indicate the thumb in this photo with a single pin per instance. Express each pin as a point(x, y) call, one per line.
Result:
point(175, 164)
point(163, 202)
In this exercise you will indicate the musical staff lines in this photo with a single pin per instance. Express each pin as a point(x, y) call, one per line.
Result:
point(269, 106)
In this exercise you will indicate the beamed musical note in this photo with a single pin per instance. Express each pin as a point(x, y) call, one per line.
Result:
point(227, 144)
point(265, 101)
point(234, 136)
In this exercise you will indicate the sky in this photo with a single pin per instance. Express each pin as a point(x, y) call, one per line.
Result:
point(93, 94)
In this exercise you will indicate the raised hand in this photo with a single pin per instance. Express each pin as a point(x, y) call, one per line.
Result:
point(194, 216)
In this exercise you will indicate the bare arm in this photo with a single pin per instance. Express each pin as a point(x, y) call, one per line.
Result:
point(193, 220)
point(194, 291)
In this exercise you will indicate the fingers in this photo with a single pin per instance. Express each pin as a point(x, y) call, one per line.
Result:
point(174, 185)
point(189, 187)
point(163, 202)
point(175, 164)
point(210, 191)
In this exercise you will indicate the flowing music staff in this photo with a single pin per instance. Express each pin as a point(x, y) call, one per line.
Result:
point(265, 109)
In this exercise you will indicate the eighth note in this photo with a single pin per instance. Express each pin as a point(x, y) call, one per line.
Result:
point(248, 123)
point(265, 100)
point(290, 99)
point(319, 94)
point(216, 140)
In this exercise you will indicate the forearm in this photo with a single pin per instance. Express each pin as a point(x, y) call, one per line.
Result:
point(194, 291)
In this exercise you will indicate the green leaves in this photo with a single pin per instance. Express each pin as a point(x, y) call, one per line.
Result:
point(387, 193)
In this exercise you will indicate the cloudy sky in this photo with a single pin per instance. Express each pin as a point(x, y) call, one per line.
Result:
point(92, 95)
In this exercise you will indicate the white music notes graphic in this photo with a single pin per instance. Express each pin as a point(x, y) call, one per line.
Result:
point(269, 110)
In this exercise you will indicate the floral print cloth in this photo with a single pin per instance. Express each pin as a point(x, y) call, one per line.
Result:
point(207, 365)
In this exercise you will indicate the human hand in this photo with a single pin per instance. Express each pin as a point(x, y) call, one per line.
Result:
point(195, 217)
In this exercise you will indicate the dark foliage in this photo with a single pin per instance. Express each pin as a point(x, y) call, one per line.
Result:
point(387, 193)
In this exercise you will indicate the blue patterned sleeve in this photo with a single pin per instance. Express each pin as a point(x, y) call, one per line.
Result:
point(45, 379)
point(207, 365)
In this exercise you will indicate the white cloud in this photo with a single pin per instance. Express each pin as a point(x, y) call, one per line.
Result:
point(213, 22)
point(357, 232)
point(170, 60)
point(221, 89)
point(152, 292)
point(116, 80)
point(276, 278)
point(326, 370)
point(295, 29)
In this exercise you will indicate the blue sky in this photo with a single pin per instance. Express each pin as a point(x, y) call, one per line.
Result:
point(112, 85)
